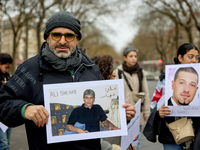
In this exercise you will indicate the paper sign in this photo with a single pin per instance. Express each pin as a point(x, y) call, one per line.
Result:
point(133, 128)
point(3, 127)
point(182, 89)
point(62, 99)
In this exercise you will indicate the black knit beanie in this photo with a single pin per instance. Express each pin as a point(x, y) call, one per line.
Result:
point(63, 19)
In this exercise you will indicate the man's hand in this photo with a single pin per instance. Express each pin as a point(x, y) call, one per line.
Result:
point(3, 82)
point(146, 118)
point(82, 131)
point(37, 113)
point(164, 110)
point(110, 125)
point(72, 128)
point(130, 111)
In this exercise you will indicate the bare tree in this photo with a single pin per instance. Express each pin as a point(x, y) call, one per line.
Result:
point(89, 11)
point(155, 36)
point(23, 11)
point(41, 10)
point(176, 11)
point(193, 6)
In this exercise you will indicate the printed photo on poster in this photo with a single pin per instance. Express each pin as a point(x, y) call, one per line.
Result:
point(85, 110)
point(182, 89)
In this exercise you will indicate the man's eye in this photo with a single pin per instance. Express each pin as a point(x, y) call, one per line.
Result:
point(69, 35)
point(57, 34)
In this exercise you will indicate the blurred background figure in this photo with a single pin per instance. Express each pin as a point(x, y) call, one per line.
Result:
point(135, 83)
point(5, 65)
point(105, 63)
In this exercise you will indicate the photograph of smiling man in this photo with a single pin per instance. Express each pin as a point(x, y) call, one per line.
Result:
point(184, 87)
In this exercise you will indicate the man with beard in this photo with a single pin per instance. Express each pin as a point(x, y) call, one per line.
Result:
point(184, 86)
point(60, 61)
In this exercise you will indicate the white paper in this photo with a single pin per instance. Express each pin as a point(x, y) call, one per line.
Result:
point(133, 128)
point(184, 111)
point(3, 127)
point(193, 108)
point(72, 94)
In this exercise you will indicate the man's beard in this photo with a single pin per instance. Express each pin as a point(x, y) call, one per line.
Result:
point(183, 104)
point(62, 54)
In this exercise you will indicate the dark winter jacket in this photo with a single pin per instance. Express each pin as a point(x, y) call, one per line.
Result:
point(156, 126)
point(26, 86)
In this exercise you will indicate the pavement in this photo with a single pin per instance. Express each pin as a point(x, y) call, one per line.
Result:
point(18, 139)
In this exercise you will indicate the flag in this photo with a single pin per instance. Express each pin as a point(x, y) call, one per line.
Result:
point(158, 93)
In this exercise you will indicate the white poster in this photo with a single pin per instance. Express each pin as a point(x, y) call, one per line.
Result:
point(66, 104)
point(133, 128)
point(182, 89)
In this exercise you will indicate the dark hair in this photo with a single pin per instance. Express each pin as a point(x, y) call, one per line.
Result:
point(186, 69)
point(105, 64)
point(5, 58)
point(183, 49)
point(89, 92)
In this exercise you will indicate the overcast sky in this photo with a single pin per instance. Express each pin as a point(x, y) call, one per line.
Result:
point(122, 25)
point(124, 33)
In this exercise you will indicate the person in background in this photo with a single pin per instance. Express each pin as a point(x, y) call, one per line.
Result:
point(135, 83)
point(105, 63)
point(60, 61)
point(187, 53)
point(5, 65)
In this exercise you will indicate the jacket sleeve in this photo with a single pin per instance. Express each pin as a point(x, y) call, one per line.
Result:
point(152, 126)
point(13, 96)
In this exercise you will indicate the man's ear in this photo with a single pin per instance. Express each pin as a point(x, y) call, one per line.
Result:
point(173, 84)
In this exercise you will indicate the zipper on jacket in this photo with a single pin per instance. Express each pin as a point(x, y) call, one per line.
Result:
point(73, 76)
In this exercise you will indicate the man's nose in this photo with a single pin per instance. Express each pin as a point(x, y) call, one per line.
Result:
point(186, 88)
point(62, 40)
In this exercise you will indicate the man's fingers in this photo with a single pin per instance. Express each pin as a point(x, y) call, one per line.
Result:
point(38, 114)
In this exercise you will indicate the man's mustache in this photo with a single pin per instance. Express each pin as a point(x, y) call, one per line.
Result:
point(62, 46)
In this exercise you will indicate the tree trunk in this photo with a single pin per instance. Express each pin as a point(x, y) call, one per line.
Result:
point(26, 42)
point(189, 33)
point(14, 53)
point(38, 36)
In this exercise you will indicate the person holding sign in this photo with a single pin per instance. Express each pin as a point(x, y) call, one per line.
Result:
point(105, 63)
point(60, 61)
point(135, 83)
point(184, 86)
point(156, 124)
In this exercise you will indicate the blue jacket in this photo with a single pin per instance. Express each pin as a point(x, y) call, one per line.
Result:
point(26, 86)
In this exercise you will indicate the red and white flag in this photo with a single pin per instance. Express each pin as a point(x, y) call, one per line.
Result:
point(158, 93)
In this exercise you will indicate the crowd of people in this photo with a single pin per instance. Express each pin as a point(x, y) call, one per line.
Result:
point(61, 61)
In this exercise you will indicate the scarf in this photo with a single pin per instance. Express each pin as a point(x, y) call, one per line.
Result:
point(62, 64)
point(135, 69)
